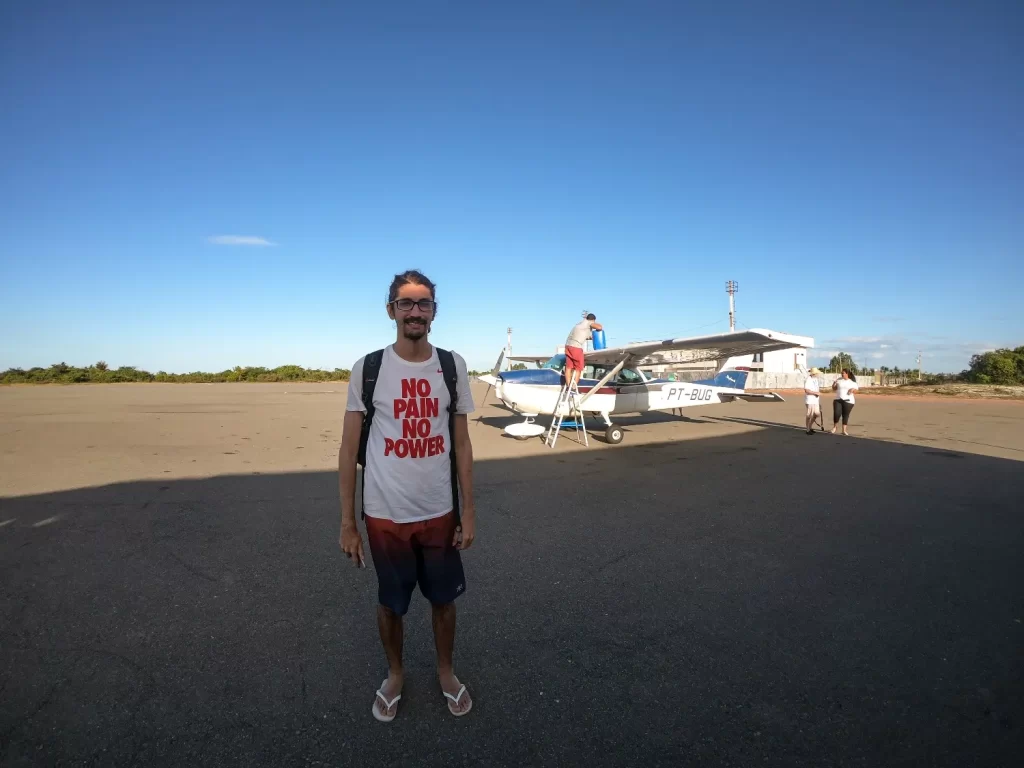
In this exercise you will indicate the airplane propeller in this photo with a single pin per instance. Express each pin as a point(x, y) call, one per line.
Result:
point(494, 372)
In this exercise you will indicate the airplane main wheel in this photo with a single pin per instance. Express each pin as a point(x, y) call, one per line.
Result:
point(613, 434)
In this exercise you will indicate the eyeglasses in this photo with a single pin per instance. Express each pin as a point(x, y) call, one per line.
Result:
point(425, 305)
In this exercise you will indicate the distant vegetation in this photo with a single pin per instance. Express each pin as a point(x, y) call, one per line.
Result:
point(1003, 366)
point(101, 373)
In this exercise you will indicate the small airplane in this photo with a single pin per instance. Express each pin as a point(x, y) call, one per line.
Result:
point(613, 384)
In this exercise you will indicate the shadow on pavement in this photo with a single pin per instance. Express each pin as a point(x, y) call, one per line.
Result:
point(733, 600)
point(595, 424)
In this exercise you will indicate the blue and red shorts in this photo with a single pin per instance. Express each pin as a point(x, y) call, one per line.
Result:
point(407, 554)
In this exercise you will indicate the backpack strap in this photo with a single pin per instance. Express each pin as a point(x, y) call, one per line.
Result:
point(451, 379)
point(371, 370)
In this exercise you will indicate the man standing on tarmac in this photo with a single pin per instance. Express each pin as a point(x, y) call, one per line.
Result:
point(415, 524)
point(574, 347)
point(812, 399)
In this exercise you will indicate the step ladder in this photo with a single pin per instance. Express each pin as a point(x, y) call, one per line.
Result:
point(568, 400)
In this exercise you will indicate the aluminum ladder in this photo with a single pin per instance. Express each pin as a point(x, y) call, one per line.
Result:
point(568, 400)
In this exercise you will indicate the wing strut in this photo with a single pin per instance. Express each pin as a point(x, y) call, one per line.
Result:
point(607, 377)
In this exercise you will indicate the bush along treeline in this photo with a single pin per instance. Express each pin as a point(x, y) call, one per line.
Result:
point(1003, 366)
point(101, 373)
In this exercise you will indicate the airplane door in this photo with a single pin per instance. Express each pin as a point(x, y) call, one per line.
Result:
point(630, 392)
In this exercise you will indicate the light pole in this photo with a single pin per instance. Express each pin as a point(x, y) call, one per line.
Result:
point(731, 286)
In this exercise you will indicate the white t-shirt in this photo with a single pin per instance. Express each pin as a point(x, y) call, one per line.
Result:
point(811, 383)
point(408, 475)
point(844, 390)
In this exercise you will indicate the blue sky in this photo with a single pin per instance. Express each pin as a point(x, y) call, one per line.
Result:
point(857, 167)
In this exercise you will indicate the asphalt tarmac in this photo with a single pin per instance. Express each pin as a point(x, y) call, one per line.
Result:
point(719, 589)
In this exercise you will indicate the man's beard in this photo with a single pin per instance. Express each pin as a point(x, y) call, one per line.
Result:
point(414, 328)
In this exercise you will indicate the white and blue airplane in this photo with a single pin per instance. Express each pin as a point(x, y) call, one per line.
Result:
point(613, 384)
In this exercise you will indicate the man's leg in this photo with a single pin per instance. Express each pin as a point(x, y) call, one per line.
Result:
point(573, 365)
point(392, 631)
point(571, 376)
point(444, 641)
point(442, 580)
point(809, 418)
point(395, 562)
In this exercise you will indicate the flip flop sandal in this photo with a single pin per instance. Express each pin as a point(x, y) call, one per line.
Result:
point(387, 704)
point(456, 698)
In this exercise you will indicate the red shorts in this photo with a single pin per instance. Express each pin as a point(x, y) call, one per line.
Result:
point(405, 554)
point(574, 358)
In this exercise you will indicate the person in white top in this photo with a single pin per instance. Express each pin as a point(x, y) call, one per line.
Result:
point(415, 523)
point(812, 399)
point(843, 403)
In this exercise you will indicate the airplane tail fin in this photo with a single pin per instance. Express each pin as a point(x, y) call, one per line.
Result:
point(738, 380)
point(729, 379)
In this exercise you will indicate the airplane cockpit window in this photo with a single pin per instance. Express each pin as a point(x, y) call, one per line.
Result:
point(556, 363)
point(628, 376)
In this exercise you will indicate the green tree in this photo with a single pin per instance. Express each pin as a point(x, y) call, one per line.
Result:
point(101, 365)
point(519, 367)
point(1002, 366)
point(840, 361)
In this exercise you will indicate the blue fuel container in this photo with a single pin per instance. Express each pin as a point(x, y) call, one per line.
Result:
point(598, 339)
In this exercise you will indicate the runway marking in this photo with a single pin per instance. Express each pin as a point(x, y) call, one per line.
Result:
point(47, 521)
point(7, 522)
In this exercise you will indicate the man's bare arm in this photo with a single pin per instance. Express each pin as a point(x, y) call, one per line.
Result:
point(347, 455)
point(350, 540)
point(464, 469)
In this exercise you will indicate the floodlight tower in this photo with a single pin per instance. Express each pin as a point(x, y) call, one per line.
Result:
point(508, 348)
point(731, 286)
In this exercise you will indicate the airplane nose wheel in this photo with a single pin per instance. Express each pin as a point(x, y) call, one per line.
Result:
point(613, 434)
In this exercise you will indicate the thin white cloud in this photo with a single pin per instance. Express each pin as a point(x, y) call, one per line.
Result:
point(858, 340)
point(240, 240)
point(949, 354)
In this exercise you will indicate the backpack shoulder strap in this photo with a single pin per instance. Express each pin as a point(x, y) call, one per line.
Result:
point(451, 379)
point(371, 369)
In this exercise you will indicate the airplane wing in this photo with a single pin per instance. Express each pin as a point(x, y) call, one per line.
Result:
point(699, 348)
point(538, 359)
